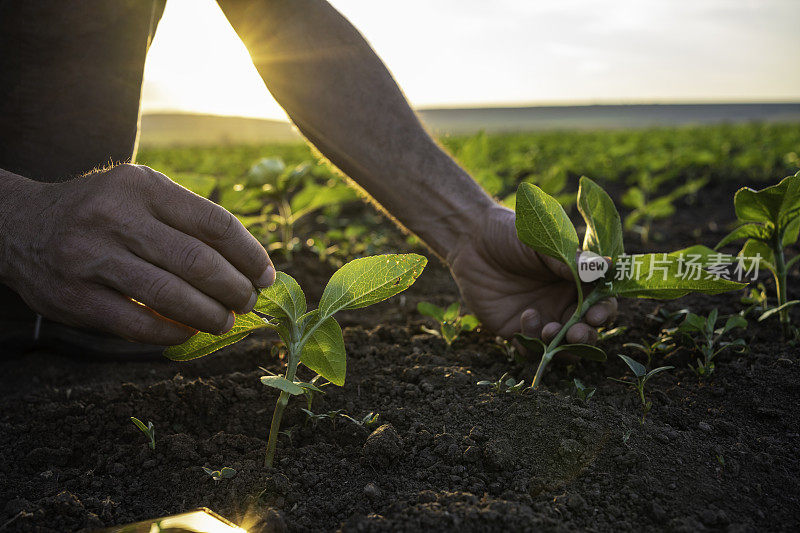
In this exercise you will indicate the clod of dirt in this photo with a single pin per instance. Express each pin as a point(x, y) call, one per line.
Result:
point(383, 446)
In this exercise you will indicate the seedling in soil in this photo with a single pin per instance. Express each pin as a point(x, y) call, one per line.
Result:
point(770, 222)
point(148, 430)
point(707, 338)
point(662, 345)
point(312, 338)
point(451, 321)
point(604, 334)
point(641, 375)
point(583, 393)
point(370, 420)
point(504, 384)
point(315, 418)
point(219, 475)
point(663, 316)
point(756, 301)
point(543, 225)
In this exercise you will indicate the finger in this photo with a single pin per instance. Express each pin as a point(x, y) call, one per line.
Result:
point(581, 333)
point(114, 313)
point(568, 312)
point(559, 268)
point(550, 330)
point(602, 312)
point(215, 226)
point(196, 263)
point(531, 323)
point(167, 295)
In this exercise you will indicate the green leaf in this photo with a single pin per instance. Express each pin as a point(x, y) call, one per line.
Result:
point(669, 277)
point(747, 231)
point(469, 322)
point(657, 371)
point(585, 351)
point(638, 368)
point(734, 321)
point(450, 332)
point(202, 344)
point(778, 204)
point(433, 311)
point(634, 198)
point(370, 280)
point(227, 472)
point(452, 311)
point(693, 322)
point(534, 347)
point(753, 248)
point(281, 383)
point(603, 226)
point(282, 299)
point(324, 351)
point(791, 233)
point(543, 225)
point(197, 183)
point(315, 196)
point(776, 310)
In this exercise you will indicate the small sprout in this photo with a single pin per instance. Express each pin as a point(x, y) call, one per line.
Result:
point(584, 394)
point(312, 338)
point(149, 431)
point(370, 420)
point(451, 321)
point(219, 475)
point(707, 338)
point(315, 418)
point(642, 375)
point(504, 384)
point(604, 334)
point(665, 316)
point(662, 345)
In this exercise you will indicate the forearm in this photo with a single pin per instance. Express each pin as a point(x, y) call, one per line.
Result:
point(340, 95)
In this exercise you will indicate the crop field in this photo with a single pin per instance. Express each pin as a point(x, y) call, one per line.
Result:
point(683, 418)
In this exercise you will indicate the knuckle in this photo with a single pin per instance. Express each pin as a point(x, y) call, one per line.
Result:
point(197, 262)
point(162, 291)
point(217, 222)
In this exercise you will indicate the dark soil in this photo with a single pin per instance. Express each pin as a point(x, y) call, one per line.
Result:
point(720, 454)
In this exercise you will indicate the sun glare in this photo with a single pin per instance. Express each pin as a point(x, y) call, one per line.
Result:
point(198, 64)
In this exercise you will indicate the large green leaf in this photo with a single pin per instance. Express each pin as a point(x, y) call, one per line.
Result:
point(324, 352)
point(757, 249)
point(282, 299)
point(370, 280)
point(778, 204)
point(663, 276)
point(747, 231)
point(543, 225)
point(586, 351)
point(702, 255)
point(603, 226)
point(314, 196)
point(202, 344)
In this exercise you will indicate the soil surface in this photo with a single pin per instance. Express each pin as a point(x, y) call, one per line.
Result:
point(720, 454)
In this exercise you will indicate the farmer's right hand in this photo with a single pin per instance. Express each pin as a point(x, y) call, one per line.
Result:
point(131, 252)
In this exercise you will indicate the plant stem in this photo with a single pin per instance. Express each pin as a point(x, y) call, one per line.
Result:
point(583, 306)
point(780, 279)
point(280, 405)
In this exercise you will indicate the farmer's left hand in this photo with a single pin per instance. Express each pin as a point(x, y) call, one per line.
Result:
point(511, 288)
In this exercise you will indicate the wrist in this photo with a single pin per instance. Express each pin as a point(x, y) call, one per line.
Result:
point(17, 197)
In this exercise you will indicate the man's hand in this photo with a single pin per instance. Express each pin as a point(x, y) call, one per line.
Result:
point(511, 288)
point(130, 252)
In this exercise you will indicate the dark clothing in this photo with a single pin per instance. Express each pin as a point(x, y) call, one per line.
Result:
point(70, 82)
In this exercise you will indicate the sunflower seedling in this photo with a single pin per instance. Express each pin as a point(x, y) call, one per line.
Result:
point(315, 418)
point(504, 384)
point(641, 376)
point(707, 338)
point(312, 338)
point(149, 431)
point(583, 392)
point(543, 225)
point(451, 321)
point(770, 222)
point(370, 420)
point(219, 475)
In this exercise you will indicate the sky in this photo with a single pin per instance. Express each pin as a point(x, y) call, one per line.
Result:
point(464, 53)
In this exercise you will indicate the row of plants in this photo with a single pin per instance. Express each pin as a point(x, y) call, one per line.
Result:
point(770, 217)
point(293, 201)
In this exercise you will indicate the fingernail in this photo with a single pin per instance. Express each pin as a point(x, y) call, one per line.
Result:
point(267, 278)
point(251, 303)
point(228, 324)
